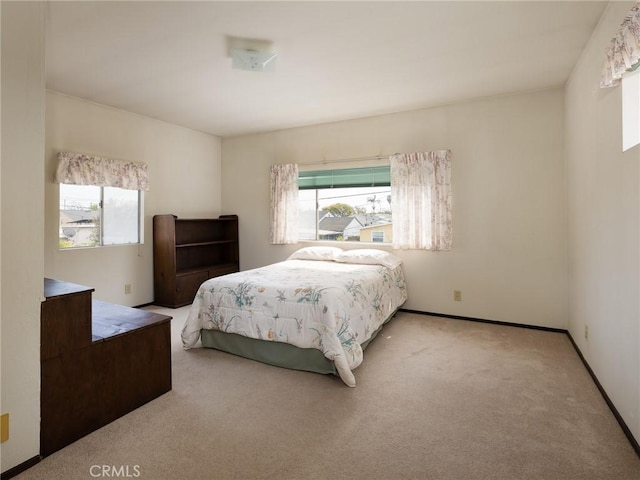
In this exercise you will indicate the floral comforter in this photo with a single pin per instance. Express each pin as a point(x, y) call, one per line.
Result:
point(330, 306)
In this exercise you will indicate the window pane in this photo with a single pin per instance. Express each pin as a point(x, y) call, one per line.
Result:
point(307, 215)
point(377, 236)
point(79, 216)
point(630, 109)
point(344, 214)
point(120, 216)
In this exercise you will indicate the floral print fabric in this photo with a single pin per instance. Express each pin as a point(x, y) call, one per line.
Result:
point(284, 204)
point(329, 306)
point(80, 169)
point(624, 52)
point(421, 199)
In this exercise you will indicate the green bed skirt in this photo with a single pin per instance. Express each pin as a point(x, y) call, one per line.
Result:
point(275, 353)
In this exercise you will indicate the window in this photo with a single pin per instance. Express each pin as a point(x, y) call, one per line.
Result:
point(377, 236)
point(92, 216)
point(100, 200)
point(631, 109)
point(343, 204)
point(622, 58)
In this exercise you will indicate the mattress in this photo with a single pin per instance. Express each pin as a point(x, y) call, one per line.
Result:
point(328, 306)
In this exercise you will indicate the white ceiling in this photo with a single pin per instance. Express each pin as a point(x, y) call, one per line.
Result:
point(336, 60)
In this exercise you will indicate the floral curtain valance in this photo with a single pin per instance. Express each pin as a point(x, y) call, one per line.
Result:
point(624, 52)
point(421, 196)
point(284, 204)
point(80, 169)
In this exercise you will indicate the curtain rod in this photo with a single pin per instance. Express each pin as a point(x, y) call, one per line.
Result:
point(340, 160)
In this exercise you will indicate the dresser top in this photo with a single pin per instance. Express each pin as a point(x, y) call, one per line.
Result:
point(58, 288)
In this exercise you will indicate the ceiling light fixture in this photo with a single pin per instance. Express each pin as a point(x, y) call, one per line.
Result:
point(253, 60)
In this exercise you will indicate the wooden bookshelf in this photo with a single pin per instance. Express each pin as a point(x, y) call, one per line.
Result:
point(187, 252)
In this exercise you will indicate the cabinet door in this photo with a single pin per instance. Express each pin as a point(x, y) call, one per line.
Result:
point(187, 286)
point(65, 324)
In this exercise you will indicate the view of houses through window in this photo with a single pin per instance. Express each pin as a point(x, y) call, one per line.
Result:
point(355, 214)
point(83, 223)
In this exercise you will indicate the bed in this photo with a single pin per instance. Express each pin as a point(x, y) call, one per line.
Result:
point(315, 311)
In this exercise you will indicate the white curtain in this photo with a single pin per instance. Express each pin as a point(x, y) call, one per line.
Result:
point(624, 52)
point(80, 169)
point(421, 200)
point(284, 204)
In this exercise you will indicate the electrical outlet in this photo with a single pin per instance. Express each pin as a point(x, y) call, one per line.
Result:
point(127, 288)
point(457, 295)
point(586, 332)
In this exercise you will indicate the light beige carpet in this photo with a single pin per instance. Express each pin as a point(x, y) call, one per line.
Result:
point(436, 399)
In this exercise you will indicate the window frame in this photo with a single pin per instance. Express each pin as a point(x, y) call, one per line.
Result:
point(377, 232)
point(100, 219)
point(338, 178)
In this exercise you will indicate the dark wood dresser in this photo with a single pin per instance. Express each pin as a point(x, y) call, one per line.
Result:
point(99, 361)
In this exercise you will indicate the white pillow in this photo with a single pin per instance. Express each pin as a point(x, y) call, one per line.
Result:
point(369, 256)
point(315, 253)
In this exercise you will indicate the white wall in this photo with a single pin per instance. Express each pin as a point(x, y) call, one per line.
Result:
point(184, 171)
point(604, 226)
point(509, 254)
point(22, 223)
